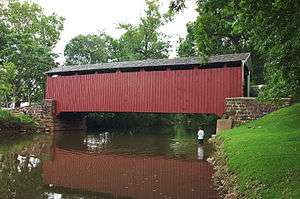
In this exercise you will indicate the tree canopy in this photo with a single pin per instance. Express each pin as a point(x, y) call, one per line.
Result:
point(144, 40)
point(187, 45)
point(270, 30)
point(7, 77)
point(84, 49)
point(27, 39)
point(139, 41)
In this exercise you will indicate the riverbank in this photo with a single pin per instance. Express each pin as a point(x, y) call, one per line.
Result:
point(261, 158)
point(11, 122)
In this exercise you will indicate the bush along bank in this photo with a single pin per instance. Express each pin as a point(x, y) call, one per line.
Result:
point(261, 158)
point(11, 122)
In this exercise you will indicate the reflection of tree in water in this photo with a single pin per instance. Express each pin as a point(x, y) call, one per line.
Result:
point(20, 177)
point(21, 174)
point(182, 144)
point(21, 168)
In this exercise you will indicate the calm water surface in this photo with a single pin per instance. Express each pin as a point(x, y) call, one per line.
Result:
point(164, 163)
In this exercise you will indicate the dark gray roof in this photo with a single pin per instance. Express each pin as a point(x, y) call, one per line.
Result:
point(186, 61)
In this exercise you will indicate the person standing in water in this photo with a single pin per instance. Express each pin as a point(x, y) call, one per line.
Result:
point(200, 136)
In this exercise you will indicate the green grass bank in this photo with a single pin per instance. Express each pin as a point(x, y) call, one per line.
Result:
point(263, 155)
point(16, 121)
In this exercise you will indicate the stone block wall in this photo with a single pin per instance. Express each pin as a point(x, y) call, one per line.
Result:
point(45, 113)
point(51, 122)
point(223, 124)
point(243, 109)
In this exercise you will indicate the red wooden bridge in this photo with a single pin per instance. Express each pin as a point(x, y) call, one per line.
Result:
point(180, 85)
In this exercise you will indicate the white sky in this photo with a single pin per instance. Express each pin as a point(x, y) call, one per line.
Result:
point(92, 16)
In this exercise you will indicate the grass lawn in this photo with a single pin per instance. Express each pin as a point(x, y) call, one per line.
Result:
point(265, 154)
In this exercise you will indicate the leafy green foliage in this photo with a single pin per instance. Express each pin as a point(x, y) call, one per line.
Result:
point(177, 5)
point(141, 41)
point(27, 40)
point(9, 119)
point(281, 83)
point(7, 77)
point(215, 32)
point(267, 29)
point(187, 46)
point(144, 40)
point(89, 49)
point(213, 28)
point(264, 154)
point(273, 29)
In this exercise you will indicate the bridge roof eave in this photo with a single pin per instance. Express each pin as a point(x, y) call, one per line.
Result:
point(244, 58)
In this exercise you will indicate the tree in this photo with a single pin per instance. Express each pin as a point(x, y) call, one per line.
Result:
point(7, 77)
point(213, 33)
point(89, 49)
point(143, 41)
point(273, 29)
point(213, 29)
point(267, 29)
point(177, 5)
point(187, 45)
point(28, 39)
point(2, 28)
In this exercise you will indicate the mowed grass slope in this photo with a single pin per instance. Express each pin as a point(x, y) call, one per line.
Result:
point(265, 154)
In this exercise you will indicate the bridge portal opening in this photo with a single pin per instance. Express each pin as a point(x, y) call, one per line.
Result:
point(136, 122)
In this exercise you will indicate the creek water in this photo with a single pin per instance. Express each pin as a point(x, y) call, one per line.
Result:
point(148, 163)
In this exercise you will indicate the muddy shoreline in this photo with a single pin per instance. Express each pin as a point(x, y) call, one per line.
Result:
point(224, 180)
point(20, 130)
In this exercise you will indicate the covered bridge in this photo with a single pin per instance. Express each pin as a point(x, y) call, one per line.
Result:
point(180, 85)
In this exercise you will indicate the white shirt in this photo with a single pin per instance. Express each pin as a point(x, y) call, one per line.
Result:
point(200, 134)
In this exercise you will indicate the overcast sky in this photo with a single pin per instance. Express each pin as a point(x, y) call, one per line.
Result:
point(92, 16)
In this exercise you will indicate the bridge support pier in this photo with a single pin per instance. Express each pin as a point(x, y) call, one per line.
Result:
point(69, 122)
point(61, 122)
point(244, 109)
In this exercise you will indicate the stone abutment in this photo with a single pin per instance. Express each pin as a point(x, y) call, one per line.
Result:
point(50, 121)
point(240, 110)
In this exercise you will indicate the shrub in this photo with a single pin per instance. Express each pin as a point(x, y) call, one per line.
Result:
point(10, 119)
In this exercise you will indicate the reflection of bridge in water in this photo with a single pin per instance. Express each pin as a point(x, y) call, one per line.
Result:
point(130, 176)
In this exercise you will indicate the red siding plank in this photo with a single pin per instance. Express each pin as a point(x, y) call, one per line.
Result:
point(171, 91)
